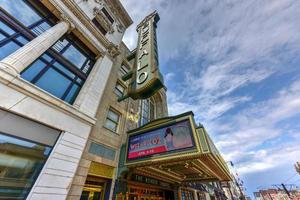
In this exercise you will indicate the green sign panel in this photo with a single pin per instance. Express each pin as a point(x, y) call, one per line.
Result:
point(146, 78)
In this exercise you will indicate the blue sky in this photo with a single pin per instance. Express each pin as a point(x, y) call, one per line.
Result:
point(236, 65)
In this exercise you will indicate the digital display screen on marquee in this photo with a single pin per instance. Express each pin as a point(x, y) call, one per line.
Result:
point(162, 140)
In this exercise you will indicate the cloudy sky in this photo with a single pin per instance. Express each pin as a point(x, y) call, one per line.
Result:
point(235, 64)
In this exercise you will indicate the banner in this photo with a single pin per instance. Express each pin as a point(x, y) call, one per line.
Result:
point(163, 140)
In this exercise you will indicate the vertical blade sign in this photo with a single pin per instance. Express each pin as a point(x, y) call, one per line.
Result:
point(147, 79)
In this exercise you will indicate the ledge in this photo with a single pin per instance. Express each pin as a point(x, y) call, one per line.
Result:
point(30, 90)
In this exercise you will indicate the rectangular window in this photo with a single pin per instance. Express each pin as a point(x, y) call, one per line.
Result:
point(147, 111)
point(144, 112)
point(105, 12)
point(99, 26)
point(119, 90)
point(112, 121)
point(123, 70)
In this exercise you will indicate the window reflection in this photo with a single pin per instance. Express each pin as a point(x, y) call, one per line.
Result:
point(7, 49)
point(54, 77)
point(54, 82)
point(13, 33)
point(20, 164)
point(147, 111)
point(6, 29)
point(35, 68)
point(21, 11)
point(74, 56)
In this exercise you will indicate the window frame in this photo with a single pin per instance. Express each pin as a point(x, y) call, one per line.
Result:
point(116, 123)
point(108, 15)
point(116, 90)
point(142, 111)
point(124, 69)
point(99, 26)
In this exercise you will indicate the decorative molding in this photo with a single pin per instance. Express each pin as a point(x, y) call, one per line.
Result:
point(118, 10)
point(120, 28)
point(113, 50)
point(101, 18)
point(65, 18)
point(76, 10)
point(9, 69)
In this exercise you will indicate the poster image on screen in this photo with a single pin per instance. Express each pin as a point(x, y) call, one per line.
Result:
point(170, 138)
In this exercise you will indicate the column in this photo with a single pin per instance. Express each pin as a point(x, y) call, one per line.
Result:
point(195, 195)
point(25, 55)
point(90, 95)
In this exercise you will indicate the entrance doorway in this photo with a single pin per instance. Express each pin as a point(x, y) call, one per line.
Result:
point(91, 193)
point(94, 188)
point(148, 193)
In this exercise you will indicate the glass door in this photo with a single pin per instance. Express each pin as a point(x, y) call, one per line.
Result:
point(91, 193)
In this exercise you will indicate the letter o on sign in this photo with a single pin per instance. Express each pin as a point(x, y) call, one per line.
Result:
point(142, 77)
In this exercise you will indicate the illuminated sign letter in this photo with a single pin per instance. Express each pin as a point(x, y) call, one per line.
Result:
point(146, 79)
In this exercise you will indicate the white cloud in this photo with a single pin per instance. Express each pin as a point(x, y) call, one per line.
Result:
point(169, 76)
point(256, 125)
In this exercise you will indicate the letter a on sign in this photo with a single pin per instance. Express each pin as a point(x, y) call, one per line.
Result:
point(146, 78)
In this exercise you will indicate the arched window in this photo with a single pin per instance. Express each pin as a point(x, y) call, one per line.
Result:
point(147, 111)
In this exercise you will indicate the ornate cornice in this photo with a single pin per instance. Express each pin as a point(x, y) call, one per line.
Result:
point(76, 10)
point(117, 8)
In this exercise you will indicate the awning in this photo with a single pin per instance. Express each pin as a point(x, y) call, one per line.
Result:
point(176, 150)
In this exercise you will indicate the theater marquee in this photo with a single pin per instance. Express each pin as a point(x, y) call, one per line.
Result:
point(176, 149)
point(171, 138)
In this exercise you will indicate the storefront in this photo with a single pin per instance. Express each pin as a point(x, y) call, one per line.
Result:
point(140, 187)
point(98, 182)
point(173, 151)
point(24, 149)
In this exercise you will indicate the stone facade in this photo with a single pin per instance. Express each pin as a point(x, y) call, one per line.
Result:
point(129, 111)
point(68, 162)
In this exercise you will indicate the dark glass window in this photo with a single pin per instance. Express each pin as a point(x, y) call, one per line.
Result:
point(63, 69)
point(99, 26)
point(112, 120)
point(119, 89)
point(20, 163)
point(147, 112)
point(144, 114)
point(124, 70)
point(105, 12)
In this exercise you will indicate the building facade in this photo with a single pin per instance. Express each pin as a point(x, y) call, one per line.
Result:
point(277, 194)
point(56, 58)
point(97, 171)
